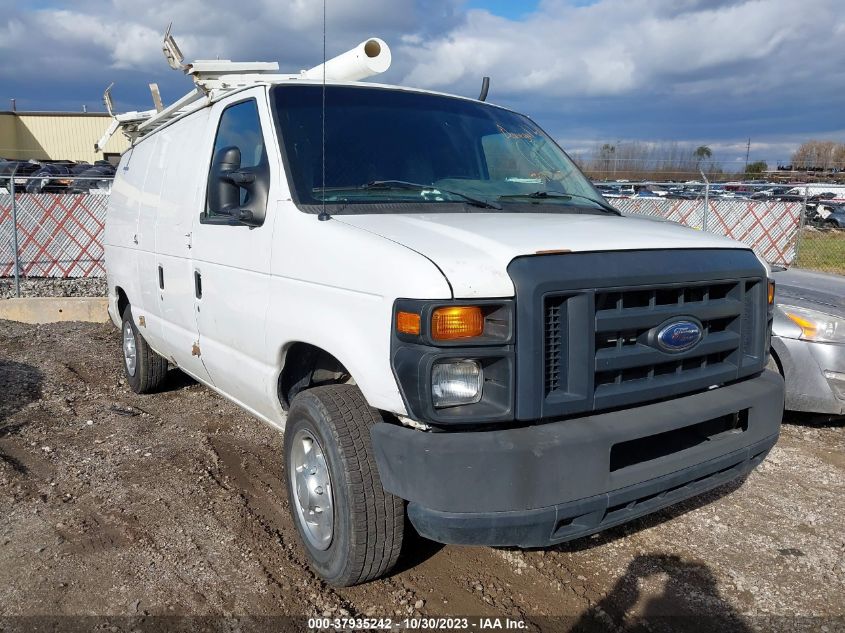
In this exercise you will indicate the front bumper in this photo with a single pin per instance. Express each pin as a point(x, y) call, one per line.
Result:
point(804, 363)
point(553, 482)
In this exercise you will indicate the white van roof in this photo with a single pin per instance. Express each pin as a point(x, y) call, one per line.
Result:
point(219, 78)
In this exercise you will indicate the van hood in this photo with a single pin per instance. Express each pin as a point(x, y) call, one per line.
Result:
point(474, 249)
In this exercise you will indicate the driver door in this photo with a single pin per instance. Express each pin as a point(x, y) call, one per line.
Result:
point(232, 249)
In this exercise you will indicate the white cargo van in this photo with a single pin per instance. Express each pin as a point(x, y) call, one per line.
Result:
point(437, 307)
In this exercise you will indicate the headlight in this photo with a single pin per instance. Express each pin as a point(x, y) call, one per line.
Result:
point(456, 382)
point(816, 326)
point(454, 361)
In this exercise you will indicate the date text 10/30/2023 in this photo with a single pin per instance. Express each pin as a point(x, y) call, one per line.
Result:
point(416, 623)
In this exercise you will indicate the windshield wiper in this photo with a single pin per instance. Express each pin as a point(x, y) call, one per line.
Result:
point(403, 184)
point(563, 196)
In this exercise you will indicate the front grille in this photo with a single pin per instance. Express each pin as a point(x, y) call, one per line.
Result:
point(626, 366)
point(629, 369)
point(553, 343)
point(588, 324)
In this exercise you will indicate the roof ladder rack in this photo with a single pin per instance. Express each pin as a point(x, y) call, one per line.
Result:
point(213, 79)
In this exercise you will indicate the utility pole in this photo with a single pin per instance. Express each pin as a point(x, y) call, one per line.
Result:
point(615, 147)
point(747, 152)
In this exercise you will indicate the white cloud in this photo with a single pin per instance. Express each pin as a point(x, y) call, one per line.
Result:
point(610, 69)
point(608, 48)
point(126, 34)
point(618, 46)
point(128, 46)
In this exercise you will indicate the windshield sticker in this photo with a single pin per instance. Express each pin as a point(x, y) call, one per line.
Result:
point(525, 181)
point(527, 134)
point(438, 195)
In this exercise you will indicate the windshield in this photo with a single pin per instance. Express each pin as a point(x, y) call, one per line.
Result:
point(406, 149)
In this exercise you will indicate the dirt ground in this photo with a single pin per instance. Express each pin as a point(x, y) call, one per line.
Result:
point(172, 505)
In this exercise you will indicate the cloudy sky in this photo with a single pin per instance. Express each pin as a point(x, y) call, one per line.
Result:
point(712, 72)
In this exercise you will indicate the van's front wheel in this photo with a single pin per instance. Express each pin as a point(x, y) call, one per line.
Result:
point(350, 527)
point(144, 369)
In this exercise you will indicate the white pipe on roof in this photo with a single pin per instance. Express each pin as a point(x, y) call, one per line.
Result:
point(369, 58)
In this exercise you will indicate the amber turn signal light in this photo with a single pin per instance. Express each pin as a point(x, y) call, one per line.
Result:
point(771, 292)
point(408, 323)
point(457, 322)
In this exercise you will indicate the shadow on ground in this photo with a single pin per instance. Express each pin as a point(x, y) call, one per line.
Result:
point(415, 550)
point(689, 600)
point(176, 380)
point(20, 384)
point(814, 420)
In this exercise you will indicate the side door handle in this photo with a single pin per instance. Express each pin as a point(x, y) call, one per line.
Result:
point(197, 284)
point(160, 277)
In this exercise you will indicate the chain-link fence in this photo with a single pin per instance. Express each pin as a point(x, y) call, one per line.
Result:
point(794, 224)
point(769, 227)
point(56, 234)
point(59, 234)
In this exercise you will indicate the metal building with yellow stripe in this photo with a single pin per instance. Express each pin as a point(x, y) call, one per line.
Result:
point(57, 136)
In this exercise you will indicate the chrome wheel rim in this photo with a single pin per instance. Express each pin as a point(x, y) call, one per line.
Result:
point(312, 489)
point(130, 351)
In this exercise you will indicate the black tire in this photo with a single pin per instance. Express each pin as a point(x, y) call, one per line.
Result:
point(150, 368)
point(368, 522)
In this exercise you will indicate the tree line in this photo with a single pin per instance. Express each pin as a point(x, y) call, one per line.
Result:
point(639, 160)
point(819, 156)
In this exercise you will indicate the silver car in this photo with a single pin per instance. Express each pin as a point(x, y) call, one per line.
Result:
point(808, 340)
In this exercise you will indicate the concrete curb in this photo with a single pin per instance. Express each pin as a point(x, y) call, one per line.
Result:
point(38, 310)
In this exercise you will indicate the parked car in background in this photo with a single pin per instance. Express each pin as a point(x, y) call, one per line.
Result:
point(21, 169)
point(647, 191)
point(789, 197)
point(808, 340)
point(683, 193)
point(50, 178)
point(764, 194)
point(56, 176)
point(608, 191)
point(826, 215)
point(96, 178)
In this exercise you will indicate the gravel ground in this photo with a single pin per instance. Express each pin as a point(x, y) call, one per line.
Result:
point(114, 504)
point(54, 287)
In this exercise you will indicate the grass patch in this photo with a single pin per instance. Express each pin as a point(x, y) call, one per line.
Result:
point(822, 250)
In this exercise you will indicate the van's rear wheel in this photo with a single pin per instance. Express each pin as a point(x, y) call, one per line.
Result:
point(350, 527)
point(144, 369)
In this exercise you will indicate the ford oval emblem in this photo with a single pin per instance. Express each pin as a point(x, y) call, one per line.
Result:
point(679, 336)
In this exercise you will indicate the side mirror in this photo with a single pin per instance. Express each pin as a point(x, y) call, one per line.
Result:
point(224, 195)
point(227, 181)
